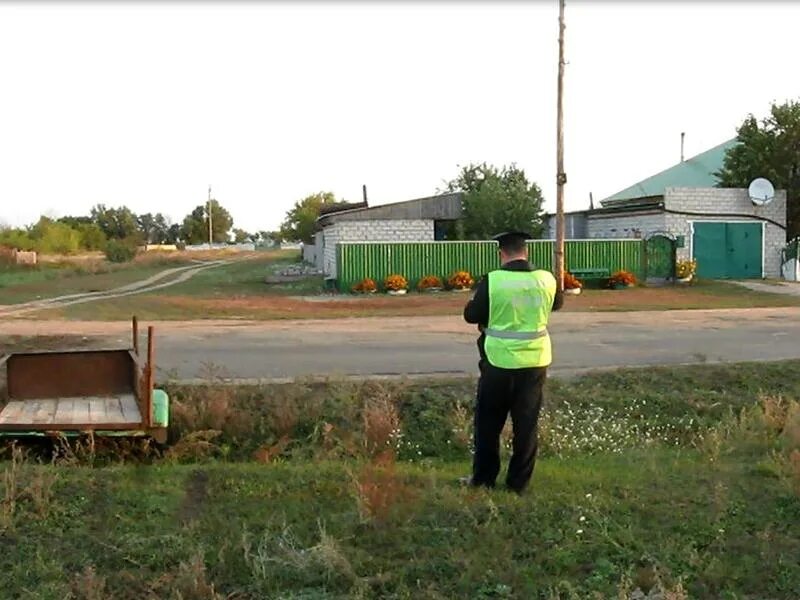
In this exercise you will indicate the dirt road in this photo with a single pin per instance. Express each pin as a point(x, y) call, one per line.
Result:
point(441, 345)
point(150, 284)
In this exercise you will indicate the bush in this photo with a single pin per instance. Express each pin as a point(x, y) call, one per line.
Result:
point(120, 251)
point(92, 237)
point(52, 237)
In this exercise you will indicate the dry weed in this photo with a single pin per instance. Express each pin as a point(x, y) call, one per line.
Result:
point(11, 486)
point(268, 452)
point(88, 585)
point(794, 470)
point(462, 426)
point(378, 489)
point(381, 424)
point(285, 552)
point(196, 445)
point(210, 407)
point(40, 491)
point(283, 416)
point(790, 431)
point(188, 582)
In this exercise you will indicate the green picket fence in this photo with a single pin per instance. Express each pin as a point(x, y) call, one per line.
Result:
point(414, 260)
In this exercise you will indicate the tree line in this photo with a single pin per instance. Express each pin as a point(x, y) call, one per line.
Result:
point(120, 226)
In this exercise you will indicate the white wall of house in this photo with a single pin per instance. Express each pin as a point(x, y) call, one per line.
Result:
point(731, 205)
point(635, 225)
point(394, 230)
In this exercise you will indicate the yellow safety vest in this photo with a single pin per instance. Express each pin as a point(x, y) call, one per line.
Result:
point(520, 303)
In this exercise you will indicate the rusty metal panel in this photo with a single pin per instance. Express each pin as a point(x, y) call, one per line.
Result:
point(70, 374)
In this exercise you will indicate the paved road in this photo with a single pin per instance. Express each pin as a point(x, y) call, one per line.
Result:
point(439, 345)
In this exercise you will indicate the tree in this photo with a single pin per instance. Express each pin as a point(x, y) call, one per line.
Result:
point(92, 237)
point(497, 200)
point(52, 237)
point(154, 228)
point(301, 221)
point(240, 236)
point(195, 225)
point(173, 234)
point(116, 223)
point(769, 149)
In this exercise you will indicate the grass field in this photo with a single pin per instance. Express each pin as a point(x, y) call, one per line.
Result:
point(50, 279)
point(679, 480)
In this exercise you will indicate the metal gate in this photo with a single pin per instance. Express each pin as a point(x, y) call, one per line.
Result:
point(728, 250)
point(660, 253)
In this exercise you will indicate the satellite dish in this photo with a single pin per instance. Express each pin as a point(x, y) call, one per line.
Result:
point(761, 191)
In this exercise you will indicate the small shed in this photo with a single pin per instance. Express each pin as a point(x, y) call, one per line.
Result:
point(418, 220)
point(683, 215)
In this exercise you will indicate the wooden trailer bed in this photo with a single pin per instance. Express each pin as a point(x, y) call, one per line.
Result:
point(81, 391)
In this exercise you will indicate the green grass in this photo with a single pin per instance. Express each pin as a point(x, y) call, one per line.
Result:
point(242, 278)
point(245, 278)
point(679, 483)
point(48, 281)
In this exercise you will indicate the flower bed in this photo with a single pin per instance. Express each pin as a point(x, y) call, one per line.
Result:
point(429, 283)
point(621, 280)
point(461, 280)
point(365, 286)
point(395, 284)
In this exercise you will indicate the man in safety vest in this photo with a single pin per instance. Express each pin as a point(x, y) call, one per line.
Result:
point(511, 306)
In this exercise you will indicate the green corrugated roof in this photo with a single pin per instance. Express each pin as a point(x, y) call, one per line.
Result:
point(697, 171)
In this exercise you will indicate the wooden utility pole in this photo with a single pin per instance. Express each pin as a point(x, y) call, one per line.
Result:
point(561, 177)
point(210, 229)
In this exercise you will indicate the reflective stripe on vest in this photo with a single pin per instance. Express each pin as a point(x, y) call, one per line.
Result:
point(519, 308)
point(515, 335)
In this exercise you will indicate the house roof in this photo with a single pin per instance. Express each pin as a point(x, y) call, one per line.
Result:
point(329, 209)
point(697, 171)
point(441, 207)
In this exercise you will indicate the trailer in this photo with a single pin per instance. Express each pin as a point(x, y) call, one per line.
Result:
point(78, 392)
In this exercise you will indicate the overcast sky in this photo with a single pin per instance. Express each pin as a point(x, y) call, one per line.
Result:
point(147, 104)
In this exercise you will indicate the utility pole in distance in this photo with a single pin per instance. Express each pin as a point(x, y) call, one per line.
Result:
point(561, 177)
point(210, 229)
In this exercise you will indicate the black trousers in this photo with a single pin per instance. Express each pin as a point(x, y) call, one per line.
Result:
point(500, 392)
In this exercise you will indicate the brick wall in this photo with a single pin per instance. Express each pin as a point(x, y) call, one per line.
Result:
point(389, 230)
point(728, 205)
point(625, 226)
point(330, 237)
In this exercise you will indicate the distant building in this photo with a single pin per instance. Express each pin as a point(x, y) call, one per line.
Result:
point(422, 219)
point(682, 210)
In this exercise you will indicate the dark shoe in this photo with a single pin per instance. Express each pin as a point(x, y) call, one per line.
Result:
point(516, 491)
point(470, 482)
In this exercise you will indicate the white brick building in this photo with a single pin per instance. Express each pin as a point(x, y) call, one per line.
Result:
point(728, 234)
point(411, 221)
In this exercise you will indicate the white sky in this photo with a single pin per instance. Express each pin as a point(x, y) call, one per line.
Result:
point(147, 104)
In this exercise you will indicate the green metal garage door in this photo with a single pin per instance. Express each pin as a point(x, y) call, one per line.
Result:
point(728, 250)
